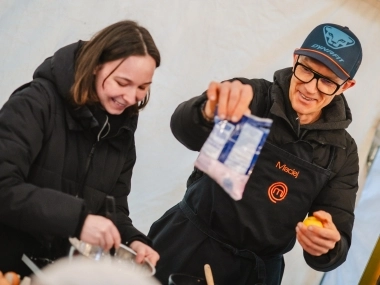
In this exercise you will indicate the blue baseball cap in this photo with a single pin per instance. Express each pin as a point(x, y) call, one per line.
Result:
point(335, 46)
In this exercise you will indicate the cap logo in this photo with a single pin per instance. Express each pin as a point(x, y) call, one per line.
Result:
point(337, 39)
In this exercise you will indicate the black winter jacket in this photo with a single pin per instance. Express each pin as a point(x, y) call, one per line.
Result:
point(271, 99)
point(56, 167)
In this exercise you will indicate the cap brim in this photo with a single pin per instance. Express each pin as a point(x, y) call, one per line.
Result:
point(325, 60)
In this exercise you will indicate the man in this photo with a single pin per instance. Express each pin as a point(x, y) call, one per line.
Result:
point(244, 241)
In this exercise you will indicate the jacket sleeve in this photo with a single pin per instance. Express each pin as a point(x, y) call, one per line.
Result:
point(188, 125)
point(338, 199)
point(120, 193)
point(24, 121)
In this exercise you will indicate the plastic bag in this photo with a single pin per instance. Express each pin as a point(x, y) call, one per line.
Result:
point(230, 152)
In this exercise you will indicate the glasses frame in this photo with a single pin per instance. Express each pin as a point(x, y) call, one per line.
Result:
point(317, 76)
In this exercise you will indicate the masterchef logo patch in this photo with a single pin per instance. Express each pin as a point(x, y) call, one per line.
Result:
point(277, 191)
point(288, 170)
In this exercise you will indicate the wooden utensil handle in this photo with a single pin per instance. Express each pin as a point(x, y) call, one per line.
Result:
point(208, 274)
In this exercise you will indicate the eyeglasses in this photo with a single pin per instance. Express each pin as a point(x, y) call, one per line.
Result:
point(324, 85)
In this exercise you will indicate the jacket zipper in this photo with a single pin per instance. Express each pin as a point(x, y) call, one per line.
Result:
point(298, 127)
point(79, 192)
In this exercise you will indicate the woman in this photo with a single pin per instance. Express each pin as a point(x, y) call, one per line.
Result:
point(67, 145)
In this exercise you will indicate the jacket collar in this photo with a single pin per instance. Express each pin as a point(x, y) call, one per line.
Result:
point(82, 118)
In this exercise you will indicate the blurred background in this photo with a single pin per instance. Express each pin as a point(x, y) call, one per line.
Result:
point(200, 41)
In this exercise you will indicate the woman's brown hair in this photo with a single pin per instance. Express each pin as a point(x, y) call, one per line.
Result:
point(119, 40)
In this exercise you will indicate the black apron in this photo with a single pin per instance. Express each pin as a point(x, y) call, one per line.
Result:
point(243, 241)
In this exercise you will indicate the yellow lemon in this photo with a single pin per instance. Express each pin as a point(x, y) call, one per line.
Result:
point(313, 221)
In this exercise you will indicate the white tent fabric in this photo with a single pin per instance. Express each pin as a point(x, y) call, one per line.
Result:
point(200, 41)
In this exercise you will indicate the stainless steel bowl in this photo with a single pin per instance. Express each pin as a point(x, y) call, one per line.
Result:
point(122, 255)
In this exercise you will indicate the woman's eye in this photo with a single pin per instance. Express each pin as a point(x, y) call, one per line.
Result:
point(143, 87)
point(121, 84)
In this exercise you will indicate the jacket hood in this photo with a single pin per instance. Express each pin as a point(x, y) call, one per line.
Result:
point(60, 68)
point(335, 116)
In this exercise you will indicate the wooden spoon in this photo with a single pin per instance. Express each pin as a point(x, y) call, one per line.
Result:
point(208, 274)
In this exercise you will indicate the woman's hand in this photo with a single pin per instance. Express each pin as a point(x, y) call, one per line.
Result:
point(98, 230)
point(232, 98)
point(315, 240)
point(144, 252)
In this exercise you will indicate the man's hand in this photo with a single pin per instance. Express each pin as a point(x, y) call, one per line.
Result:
point(315, 240)
point(232, 99)
point(144, 252)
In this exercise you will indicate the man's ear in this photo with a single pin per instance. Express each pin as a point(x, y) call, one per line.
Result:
point(295, 57)
point(348, 84)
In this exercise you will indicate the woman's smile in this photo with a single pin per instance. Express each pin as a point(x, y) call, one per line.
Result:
point(119, 103)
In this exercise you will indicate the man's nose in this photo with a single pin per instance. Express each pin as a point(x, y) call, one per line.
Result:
point(311, 86)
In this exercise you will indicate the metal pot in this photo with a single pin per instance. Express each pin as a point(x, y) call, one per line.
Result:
point(122, 255)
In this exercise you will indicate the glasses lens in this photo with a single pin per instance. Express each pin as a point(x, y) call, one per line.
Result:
point(302, 73)
point(326, 86)
point(305, 75)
